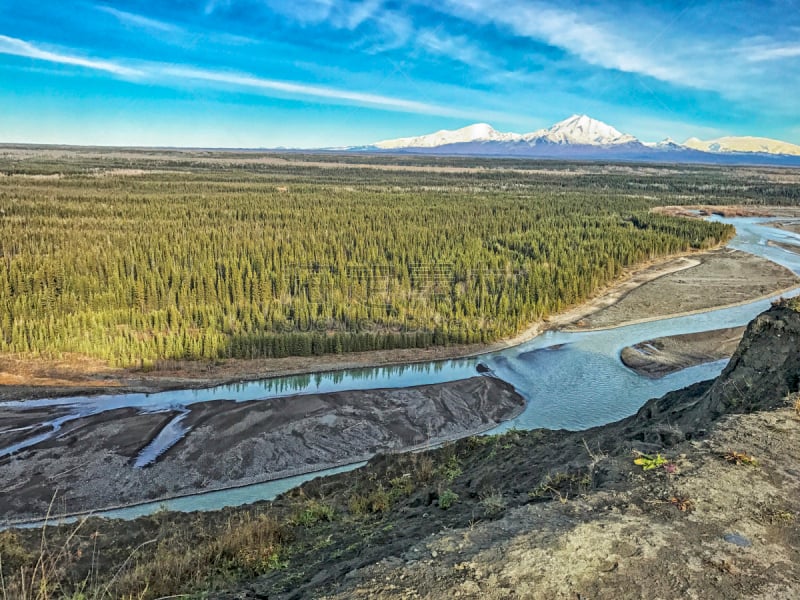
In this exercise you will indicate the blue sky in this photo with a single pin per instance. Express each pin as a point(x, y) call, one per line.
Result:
point(311, 73)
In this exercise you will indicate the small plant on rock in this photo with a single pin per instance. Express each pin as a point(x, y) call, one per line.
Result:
point(648, 462)
point(740, 458)
point(312, 513)
point(447, 498)
point(451, 469)
point(682, 503)
point(493, 502)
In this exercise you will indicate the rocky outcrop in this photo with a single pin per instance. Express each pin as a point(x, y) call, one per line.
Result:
point(764, 369)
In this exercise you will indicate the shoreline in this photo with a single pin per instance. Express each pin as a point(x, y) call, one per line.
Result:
point(657, 357)
point(688, 313)
point(55, 520)
point(78, 375)
point(227, 444)
point(150, 383)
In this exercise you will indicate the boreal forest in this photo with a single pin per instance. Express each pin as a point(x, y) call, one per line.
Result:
point(135, 257)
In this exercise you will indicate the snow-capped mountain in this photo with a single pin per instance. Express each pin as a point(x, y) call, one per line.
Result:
point(743, 144)
point(580, 130)
point(577, 130)
point(665, 144)
point(479, 132)
point(581, 137)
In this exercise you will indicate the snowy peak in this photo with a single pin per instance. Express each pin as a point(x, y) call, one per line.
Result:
point(666, 144)
point(479, 132)
point(743, 144)
point(582, 136)
point(577, 130)
point(580, 130)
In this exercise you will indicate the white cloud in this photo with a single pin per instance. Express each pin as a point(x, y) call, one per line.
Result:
point(17, 47)
point(172, 33)
point(587, 38)
point(298, 89)
point(767, 52)
point(135, 20)
point(458, 48)
point(676, 49)
point(172, 75)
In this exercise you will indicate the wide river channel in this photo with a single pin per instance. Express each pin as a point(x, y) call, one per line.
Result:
point(570, 380)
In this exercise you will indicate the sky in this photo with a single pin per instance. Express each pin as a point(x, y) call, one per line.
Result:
point(324, 73)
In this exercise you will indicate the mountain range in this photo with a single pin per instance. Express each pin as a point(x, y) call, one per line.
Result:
point(582, 137)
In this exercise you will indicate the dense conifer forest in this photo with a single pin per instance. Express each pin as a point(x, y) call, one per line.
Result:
point(138, 256)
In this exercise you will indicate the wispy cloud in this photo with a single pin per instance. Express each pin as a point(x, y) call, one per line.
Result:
point(173, 75)
point(17, 47)
point(695, 48)
point(171, 32)
point(140, 21)
point(458, 48)
point(769, 52)
point(341, 14)
point(586, 38)
point(302, 89)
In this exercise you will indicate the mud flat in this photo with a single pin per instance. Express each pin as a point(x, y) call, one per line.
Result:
point(722, 278)
point(785, 246)
point(664, 355)
point(792, 226)
point(90, 463)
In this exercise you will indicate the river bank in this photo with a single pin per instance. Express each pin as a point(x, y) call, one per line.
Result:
point(664, 355)
point(91, 463)
point(722, 278)
point(28, 378)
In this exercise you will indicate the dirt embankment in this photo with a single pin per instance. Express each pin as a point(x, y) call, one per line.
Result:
point(664, 355)
point(723, 278)
point(717, 519)
point(711, 529)
point(90, 461)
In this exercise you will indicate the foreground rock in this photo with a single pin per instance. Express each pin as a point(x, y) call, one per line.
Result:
point(91, 462)
point(664, 355)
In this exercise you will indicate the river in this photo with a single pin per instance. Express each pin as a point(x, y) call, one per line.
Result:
point(570, 380)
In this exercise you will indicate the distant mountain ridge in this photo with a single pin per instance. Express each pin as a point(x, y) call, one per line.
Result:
point(583, 137)
point(744, 144)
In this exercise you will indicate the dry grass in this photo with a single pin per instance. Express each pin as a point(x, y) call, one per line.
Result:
point(740, 458)
point(246, 547)
point(175, 561)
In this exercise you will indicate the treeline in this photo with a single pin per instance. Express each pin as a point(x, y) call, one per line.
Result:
point(263, 260)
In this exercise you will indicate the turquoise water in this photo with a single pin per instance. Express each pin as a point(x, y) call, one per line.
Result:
point(570, 380)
